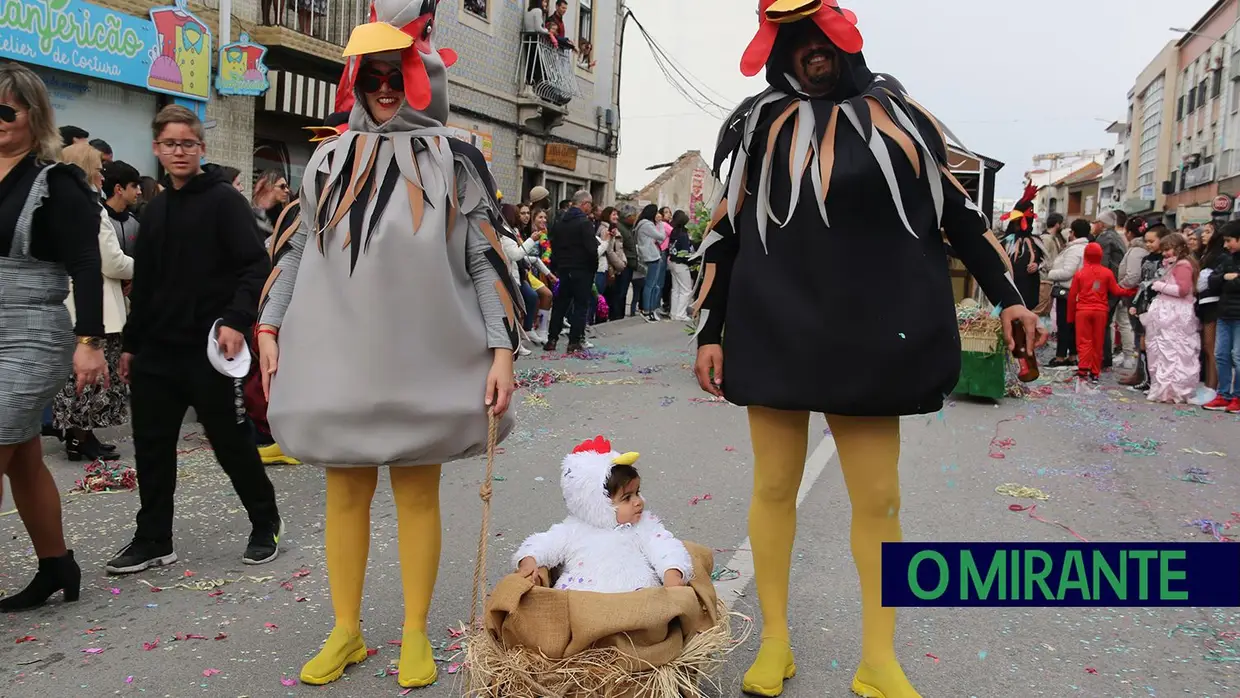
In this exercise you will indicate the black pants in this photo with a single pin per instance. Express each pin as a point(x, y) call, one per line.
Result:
point(576, 290)
point(618, 295)
point(1067, 331)
point(162, 387)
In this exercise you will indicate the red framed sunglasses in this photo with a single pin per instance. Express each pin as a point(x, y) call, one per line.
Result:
point(370, 82)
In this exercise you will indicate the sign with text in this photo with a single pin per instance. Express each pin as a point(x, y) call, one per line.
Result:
point(181, 62)
point(480, 139)
point(561, 155)
point(242, 70)
point(1061, 574)
point(78, 37)
point(1222, 204)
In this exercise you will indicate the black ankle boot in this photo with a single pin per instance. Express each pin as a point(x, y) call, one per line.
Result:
point(94, 440)
point(55, 574)
point(87, 449)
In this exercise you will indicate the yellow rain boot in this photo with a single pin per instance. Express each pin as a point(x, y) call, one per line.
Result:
point(341, 650)
point(768, 672)
point(417, 661)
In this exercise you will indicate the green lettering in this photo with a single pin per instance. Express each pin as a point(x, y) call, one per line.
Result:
point(1102, 568)
point(1165, 575)
point(1037, 577)
point(1014, 588)
point(1074, 566)
point(944, 575)
point(1143, 577)
point(50, 23)
point(970, 577)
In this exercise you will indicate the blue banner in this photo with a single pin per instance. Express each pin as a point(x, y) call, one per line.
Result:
point(1061, 574)
point(78, 37)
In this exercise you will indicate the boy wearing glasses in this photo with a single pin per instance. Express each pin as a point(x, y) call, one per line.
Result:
point(199, 262)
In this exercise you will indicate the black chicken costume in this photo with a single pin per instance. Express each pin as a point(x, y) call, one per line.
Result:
point(1024, 247)
point(825, 288)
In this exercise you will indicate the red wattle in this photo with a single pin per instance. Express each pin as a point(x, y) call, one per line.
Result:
point(344, 91)
point(839, 30)
point(759, 50)
point(449, 57)
point(417, 81)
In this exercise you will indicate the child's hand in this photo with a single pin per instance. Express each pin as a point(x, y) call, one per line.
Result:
point(528, 567)
point(673, 578)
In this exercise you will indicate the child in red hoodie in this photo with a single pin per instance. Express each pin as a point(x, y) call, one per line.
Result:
point(1087, 308)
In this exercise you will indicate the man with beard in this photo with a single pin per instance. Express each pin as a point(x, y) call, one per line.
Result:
point(833, 169)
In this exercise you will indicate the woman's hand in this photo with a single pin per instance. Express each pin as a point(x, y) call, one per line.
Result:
point(673, 578)
point(122, 368)
point(709, 369)
point(500, 384)
point(268, 359)
point(90, 367)
point(528, 566)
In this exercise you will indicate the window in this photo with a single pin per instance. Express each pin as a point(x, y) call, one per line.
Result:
point(1216, 86)
point(1192, 100)
point(1179, 109)
point(585, 35)
point(1201, 94)
point(479, 8)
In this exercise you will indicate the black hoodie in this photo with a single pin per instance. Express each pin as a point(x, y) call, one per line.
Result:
point(198, 260)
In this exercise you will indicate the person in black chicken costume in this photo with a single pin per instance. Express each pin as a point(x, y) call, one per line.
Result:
point(825, 288)
point(1023, 247)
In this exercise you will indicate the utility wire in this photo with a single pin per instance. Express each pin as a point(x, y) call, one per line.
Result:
point(685, 83)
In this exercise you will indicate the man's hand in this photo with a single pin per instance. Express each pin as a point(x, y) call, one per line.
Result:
point(122, 368)
point(268, 360)
point(1035, 334)
point(709, 369)
point(673, 578)
point(528, 567)
point(1032, 268)
point(500, 385)
point(89, 367)
point(1230, 277)
point(231, 342)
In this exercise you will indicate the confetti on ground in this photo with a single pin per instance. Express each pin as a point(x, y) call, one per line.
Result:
point(1021, 492)
point(724, 574)
point(210, 672)
point(537, 401)
point(701, 498)
point(148, 646)
point(666, 401)
point(936, 659)
point(1196, 476)
point(999, 446)
point(206, 584)
point(93, 650)
point(709, 401)
point(128, 679)
point(1033, 508)
point(1090, 670)
point(27, 638)
point(103, 478)
point(981, 655)
point(1195, 452)
point(288, 682)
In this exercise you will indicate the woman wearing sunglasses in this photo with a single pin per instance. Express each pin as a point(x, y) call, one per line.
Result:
point(49, 233)
point(392, 319)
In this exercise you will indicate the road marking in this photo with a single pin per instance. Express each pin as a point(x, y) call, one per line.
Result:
point(742, 559)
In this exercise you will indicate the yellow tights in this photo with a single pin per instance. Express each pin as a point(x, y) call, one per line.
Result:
point(349, 492)
point(869, 449)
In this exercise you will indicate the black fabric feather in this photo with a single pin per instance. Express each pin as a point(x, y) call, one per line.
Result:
point(390, 178)
point(357, 221)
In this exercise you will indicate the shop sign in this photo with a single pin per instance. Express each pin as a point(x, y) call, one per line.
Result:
point(1222, 204)
point(78, 37)
point(241, 70)
point(181, 59)
point(561, 155)
point(481, 140)
point(695, 192)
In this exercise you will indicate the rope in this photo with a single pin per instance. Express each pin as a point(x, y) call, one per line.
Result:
point(484, 492)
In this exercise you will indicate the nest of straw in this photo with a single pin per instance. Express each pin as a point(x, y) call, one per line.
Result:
point(491, 671)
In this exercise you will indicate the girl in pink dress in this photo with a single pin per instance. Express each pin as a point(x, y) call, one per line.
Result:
point(1172, 339)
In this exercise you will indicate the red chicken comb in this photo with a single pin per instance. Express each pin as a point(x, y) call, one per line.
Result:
point(1031, 192)
point(596, 445)
point(839, 25)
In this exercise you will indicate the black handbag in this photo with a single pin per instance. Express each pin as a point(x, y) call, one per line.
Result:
point(1059, 292)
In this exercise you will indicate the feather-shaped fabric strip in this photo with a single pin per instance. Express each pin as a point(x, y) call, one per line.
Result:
point(895, 109)
point(708, 272)
point(879, 150)
point(391, 175)
point(882, 121)
point(357, 221)
point(416, 202)
point(764, 180)
point(802, 135)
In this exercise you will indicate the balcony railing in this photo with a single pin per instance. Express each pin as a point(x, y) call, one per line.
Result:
point(546, 71)
point(327, 20)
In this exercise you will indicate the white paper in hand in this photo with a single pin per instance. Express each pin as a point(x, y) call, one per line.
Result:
point(236, 367)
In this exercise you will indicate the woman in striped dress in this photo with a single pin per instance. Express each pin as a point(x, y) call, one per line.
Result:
point(49, 226)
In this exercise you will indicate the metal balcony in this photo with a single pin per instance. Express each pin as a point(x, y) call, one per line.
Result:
point(545, 71)
point(326, 20)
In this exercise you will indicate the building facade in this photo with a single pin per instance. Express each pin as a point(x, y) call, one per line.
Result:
point(1199, 158)
point(682, 185)
point(542, 116)
point(1152, 128)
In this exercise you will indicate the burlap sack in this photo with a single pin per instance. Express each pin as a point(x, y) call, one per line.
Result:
point(1044, 299)
point(650, 626)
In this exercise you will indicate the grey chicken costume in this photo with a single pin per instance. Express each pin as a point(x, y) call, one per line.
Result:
point(391, 300)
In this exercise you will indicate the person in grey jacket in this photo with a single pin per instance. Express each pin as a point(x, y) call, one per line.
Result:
point(648, 238)
point(1114, 247)
point(1062, 270)
point(1130, 277)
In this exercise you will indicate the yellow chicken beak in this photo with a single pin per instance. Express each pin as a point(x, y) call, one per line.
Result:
point(626, 458)
point(321, 133)
point(376, 37)
point(788, 11)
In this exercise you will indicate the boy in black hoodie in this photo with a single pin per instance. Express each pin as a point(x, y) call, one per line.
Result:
point(1225, 282)
point(199, 260)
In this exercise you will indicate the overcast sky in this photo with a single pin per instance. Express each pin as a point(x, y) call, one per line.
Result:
point(1011, 78)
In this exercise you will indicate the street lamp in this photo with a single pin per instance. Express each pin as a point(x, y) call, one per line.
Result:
point(1196, 33)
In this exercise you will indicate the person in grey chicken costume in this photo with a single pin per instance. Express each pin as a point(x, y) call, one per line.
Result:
point(387, 330)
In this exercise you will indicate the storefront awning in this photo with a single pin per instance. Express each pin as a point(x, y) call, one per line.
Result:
point(299, 95)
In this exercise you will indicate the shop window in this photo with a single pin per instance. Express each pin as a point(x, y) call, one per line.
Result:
point(479, 8)
point(585, 35)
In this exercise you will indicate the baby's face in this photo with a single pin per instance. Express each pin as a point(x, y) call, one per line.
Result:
point(628, 503)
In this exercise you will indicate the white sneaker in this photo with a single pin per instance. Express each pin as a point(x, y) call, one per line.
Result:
point(537, 337)
point(522, 351)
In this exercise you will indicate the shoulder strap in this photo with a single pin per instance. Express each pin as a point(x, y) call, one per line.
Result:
point(20, 248)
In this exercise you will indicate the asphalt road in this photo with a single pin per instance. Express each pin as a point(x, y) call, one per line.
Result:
point(1087, 451)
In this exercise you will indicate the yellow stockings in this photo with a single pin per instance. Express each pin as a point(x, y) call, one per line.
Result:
point(349, 493)
point(869, 450)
